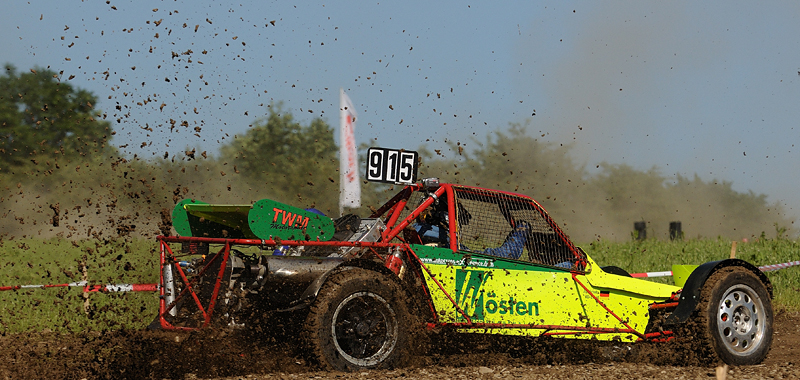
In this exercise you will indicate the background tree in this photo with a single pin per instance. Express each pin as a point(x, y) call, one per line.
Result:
point(515, 161)
point(45, 121)
point(289, 162)
point(606, 204)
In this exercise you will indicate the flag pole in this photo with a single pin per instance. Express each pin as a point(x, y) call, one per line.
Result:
point(349, 186)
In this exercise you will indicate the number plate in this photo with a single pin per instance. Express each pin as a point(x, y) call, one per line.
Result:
point(392, 166)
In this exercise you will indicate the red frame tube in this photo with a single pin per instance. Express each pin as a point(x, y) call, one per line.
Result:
point(575, 278)
point(168, 257)
point(189, 287)
point(414, 214)
point(576, 329)
point(439, 284)
point(395, 208)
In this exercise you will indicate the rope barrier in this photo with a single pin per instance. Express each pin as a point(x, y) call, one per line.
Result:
point(90, 288)
point(652, 274)
point(154, 287)
point(770, 268)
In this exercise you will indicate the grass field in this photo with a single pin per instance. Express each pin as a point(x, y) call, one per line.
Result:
point(59, 261)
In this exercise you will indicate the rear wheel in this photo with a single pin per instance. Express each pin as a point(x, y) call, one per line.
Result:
point(358, 321)
point(736, 316)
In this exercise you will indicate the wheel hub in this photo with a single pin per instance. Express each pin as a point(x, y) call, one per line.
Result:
point(364, 329)
point(739, 322)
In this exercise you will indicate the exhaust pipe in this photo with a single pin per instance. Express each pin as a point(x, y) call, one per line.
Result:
point(169, 288)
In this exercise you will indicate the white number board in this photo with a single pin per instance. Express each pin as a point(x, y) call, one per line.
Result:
point(392, 166)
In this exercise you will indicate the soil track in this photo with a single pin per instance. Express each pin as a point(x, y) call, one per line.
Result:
point(217, 355)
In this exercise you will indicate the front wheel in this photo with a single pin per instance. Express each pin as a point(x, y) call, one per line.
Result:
point(358, 321)
point(737, 316)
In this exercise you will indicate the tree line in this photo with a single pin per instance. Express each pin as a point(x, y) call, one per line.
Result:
point(60, 175)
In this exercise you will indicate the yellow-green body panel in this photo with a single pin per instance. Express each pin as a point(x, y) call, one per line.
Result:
point(651, 290)
point(503, 296)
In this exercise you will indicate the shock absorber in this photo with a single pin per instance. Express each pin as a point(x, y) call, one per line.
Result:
point(170, 292)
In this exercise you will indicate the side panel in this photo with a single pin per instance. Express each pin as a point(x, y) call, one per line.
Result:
point(269, 219)
point(502, 296)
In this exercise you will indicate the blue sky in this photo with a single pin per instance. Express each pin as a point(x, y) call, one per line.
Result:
point(691, 87)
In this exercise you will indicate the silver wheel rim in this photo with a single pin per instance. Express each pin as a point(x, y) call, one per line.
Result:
point(364, 329)
point(741, 320)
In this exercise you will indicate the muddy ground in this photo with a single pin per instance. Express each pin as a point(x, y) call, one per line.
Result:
point(219, 355)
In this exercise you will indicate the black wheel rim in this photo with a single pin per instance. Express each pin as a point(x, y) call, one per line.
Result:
point(364, 329)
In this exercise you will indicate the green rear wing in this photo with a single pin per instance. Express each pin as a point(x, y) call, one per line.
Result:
point(265, 220)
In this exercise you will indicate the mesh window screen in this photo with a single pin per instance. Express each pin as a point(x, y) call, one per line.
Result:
point(414, 201)
point(508, 226)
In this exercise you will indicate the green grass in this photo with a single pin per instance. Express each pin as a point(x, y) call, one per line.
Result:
point(58, 261)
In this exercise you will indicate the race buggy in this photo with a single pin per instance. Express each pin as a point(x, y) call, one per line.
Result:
point(435, 257)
